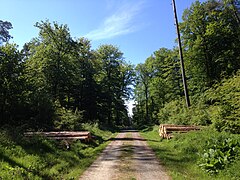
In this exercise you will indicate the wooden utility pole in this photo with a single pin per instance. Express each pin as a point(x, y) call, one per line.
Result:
point(181, 56)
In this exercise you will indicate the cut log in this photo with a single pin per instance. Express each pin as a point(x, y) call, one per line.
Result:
point(165, 130)
point(84, 138)
point(181, 128)
point(63, 135)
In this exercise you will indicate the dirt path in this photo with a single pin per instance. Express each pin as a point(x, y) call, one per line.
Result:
point(127, 157)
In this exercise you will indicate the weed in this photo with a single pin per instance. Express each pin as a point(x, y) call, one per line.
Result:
point(40, 158)
point(219, 152)
point(180, 155)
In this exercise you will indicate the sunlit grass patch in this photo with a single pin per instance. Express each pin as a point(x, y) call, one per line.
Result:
point(181, 154)
point(40, 158)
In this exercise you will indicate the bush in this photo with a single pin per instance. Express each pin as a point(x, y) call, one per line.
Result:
point(67, 120)
point(40, 158)
point(218, 153)
point(225, 105)
point(219, 106)
point(175, 112)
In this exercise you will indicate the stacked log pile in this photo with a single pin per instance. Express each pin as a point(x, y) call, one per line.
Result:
point(63, 135)
point(166, 130)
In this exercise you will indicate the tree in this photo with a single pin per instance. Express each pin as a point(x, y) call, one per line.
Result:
point(56, 82)
point(11, 85)
point(210, 35)
point(158, 82)
point(234, 5)
point(211, 40)
point(114, 80)
point(5, 26)
point(53, 52)
point(143, 82)
point(84, 90)
point(50, 70)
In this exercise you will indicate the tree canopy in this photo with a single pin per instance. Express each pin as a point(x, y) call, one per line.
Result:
point(57, 82)
point(5, 26)
point(211, 40)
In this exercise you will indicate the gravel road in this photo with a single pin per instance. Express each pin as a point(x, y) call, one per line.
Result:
point(127, 157)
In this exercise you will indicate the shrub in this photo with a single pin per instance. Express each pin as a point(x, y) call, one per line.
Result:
point(175, 112)
point(219, 106)
point(68, 120)
point(218, 153)
point(225, 105)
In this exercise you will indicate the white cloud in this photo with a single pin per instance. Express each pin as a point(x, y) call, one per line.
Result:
point(120, 23)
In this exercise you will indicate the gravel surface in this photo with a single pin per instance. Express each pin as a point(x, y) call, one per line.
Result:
point(145, 162)
point(127, 157)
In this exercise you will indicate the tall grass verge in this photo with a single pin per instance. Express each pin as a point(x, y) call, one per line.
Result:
point(181, 155)
point(41, 158)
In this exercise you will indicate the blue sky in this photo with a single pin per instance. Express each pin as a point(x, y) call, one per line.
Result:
point(137, 27)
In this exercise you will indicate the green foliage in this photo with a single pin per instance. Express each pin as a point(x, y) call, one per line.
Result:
point(231, 171)
point(52, 59)
point(175, 112)
point(12, 84)
point(5, 26)
point(218, 106)
point(100, 134)
point(40, 158)
point(210, 35)
point(67, 120)
point(210, 38)
point(158, 82)
point(181, 155)
point(218, 153)
point(57, 82)
point(225, 106)
point(115, 78)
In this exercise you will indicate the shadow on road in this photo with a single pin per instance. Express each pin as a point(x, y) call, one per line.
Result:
point(127, 139)
point(130, 138)
point(129, 130)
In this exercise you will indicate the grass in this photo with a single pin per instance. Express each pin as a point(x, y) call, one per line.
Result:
point(180, 155)
point(40, 158)
point(126, 166)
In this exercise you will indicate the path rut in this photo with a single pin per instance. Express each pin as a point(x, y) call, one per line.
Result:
point(127, 157)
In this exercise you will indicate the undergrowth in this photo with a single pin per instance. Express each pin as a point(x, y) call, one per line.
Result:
point(40, 158)
point(218, 107)
point(182, 154)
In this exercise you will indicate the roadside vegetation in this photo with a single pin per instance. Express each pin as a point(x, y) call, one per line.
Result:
point(57, 82)
point(211, 39)
point(205, 154)
point(41, 158)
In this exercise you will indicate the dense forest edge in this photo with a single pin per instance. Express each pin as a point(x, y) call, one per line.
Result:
point(57, 82)
point(210, 39)
point(210, 33)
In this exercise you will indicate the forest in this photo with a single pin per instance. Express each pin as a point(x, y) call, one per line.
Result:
point(211, 42)
point(57, 82)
